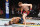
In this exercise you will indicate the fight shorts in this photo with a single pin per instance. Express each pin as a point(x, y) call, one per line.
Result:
point(21, 21)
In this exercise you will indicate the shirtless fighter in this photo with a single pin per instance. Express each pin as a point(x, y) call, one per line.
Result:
point(26, 8)
point(17, 20)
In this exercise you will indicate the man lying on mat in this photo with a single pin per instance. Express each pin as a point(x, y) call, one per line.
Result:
point(18, 20)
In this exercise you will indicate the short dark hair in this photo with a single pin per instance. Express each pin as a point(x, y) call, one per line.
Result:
point(19, 3)
point(9, 22)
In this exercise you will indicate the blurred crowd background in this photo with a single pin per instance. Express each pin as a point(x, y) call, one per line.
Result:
point(15, 10)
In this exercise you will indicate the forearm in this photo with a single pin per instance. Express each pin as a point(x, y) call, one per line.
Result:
point(31, 7)
point(21, 10)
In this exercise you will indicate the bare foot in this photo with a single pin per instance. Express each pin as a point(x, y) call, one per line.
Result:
point(30, 18)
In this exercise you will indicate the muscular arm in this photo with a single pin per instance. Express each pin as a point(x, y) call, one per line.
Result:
point(30, 6)
point(21, 10)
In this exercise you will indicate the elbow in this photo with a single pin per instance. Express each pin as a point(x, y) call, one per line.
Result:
point(31, 5)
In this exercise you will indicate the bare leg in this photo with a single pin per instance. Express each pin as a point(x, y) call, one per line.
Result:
point(24, 15)
point(30, 17)
point(28, 23)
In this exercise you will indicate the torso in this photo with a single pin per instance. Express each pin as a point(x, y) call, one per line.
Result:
point(15, 20)
point(26, 8)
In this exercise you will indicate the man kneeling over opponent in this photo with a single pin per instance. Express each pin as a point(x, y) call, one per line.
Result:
point(16, 20)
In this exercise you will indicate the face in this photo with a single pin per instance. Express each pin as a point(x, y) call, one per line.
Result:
point(20, 5)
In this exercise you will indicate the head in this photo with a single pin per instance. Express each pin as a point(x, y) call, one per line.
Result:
point(10, 22)
point(19, 3)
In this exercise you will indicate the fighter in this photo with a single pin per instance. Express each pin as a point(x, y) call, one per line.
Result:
point(17, 20)
point(26, 8)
